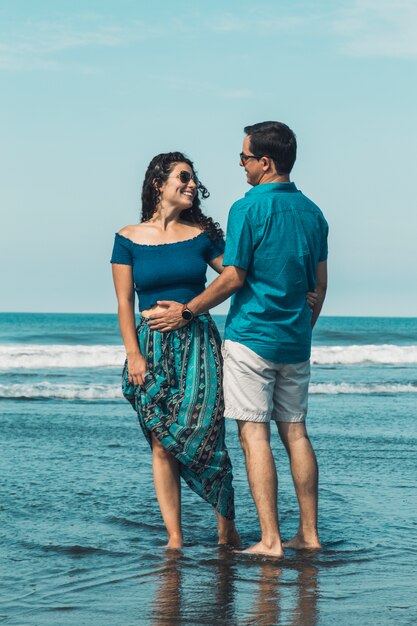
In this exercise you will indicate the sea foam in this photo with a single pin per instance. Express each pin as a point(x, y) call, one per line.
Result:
point(362, 389)
point(24, 356)
point(45, 390)
point(17, 356)
point(49, 391)
point(354, 354)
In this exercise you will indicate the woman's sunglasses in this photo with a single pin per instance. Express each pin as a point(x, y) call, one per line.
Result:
point(185, 176)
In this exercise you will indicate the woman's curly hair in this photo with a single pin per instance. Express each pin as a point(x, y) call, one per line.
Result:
point(157, 173)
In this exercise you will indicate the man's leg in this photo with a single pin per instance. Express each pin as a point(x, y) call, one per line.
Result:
point(262, 475)
point(248, 383)
point(304, 472)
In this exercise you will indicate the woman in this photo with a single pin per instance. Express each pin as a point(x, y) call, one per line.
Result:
point(174, 380)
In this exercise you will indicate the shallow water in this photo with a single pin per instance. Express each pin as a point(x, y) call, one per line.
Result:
point(82, 535)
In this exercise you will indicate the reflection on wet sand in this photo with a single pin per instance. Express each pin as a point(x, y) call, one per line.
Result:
point(225, 590)
point(207, 592)
point(197, 592)
point(305, 611)
point(167, 602)
point(266, 609)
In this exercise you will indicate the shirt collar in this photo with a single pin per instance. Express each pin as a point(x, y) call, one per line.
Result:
point(274, 187)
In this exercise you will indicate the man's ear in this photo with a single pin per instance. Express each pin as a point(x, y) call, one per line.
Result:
point(269, 164)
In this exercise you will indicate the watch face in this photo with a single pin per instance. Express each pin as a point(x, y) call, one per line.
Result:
point(187, 315)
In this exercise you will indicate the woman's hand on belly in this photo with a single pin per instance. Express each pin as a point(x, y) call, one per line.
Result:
point(136, 367)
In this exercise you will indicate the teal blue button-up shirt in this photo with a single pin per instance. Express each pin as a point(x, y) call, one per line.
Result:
point(278, 236)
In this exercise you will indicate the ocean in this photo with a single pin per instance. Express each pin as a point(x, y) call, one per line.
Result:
point(81, 534)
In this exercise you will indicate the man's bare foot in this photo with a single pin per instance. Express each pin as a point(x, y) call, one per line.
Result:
point(174, 543)
point(229, 538)
point(261, 549)
point(300, 543)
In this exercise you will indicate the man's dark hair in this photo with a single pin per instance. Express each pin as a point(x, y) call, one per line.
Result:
point(276, 140)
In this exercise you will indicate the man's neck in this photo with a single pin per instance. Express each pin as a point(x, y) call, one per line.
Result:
point(273, 178)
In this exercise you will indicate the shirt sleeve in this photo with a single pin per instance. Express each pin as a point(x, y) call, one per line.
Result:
point(239, 238)
point(122, 251)
point(215, 248)
point(324, 250)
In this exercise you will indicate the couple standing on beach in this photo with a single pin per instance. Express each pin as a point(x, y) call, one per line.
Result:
point(275, 255)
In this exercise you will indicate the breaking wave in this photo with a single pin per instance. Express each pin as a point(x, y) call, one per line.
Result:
point(367, 389)
point(22, 356)
point(18, 356)
point(349, 355)
point(69, 391)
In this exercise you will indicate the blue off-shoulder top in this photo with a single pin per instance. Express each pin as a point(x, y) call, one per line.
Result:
point(168, 271)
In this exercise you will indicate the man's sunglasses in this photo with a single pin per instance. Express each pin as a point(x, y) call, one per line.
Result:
point(185, 176)
point(245, 157)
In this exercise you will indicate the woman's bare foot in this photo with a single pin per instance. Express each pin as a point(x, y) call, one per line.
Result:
point(228, 534)
point(261, 549)
point(300, 543)
point(174, 542)
point(229, 538)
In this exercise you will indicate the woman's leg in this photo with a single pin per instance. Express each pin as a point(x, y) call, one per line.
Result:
point(166, 477)
point(227, 531)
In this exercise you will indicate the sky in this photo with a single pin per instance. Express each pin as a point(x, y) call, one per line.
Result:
point(91, 90)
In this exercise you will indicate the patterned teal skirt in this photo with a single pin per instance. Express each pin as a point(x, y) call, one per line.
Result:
point(181, 403)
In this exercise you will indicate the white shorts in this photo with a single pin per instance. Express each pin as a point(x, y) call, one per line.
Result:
point(257, 390)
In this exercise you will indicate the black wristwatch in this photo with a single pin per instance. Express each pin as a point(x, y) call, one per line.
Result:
point(187, 314)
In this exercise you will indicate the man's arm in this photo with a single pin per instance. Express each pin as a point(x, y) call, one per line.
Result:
point(229, 281)
point(238, 253)
point(321, 288)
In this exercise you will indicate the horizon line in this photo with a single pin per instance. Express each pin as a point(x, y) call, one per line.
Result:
point(411, 317)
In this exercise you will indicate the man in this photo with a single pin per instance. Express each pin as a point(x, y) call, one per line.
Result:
point(276, 251)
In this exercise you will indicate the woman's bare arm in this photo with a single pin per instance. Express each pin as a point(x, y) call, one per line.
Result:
point(217, 263)
point(123, 283)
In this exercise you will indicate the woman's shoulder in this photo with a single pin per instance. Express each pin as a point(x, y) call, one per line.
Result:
point(136, 233)
point(129, 231)
point(191, 228)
